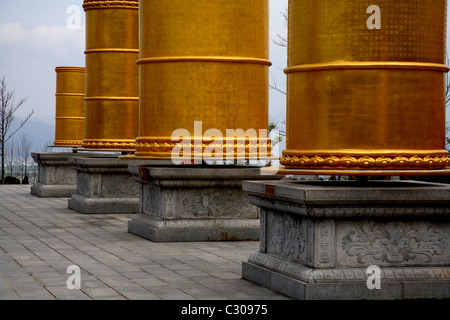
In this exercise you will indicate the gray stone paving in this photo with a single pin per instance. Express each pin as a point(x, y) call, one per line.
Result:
point(40, 238)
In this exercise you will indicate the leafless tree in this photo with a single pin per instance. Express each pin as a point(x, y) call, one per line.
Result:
point(280, 40)
point(24, 155)
point(8, 108)
point(46, 147)
point(10, 157)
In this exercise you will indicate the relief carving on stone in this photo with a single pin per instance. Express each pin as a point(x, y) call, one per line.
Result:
point(325, 242)
point(217, 203)
point(394, 242)
point(287, 236)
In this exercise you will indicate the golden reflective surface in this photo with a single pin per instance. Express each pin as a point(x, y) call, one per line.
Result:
point(203, 61)
point(366, 99)
point(112, 76)
point(70, 92)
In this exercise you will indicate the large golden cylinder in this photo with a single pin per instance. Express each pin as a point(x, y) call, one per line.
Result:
point(112, 76)
point(366, 85)
point(204, 62)
point(70, 92)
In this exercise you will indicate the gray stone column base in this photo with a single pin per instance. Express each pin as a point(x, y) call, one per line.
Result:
point(56, 177)
point(105, 186)
point(43, 190)
point(381, 240)
point(86, 205)
point(194, 230)
point(195, 203)
point(304, 283)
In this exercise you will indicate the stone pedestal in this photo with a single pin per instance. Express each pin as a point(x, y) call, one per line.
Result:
point(56, 177)
point(105, 186)
point(318, 239)
point(195, 203)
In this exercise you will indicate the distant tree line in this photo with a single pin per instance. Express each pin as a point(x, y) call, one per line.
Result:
point(19, 167)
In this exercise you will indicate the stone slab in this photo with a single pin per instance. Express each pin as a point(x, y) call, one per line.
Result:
point(195, 203)
point(105, 186)
point(43, 190)
point(86, 205)
point(194, 230)
point(56, 177)
point(317, 240)
point(336, 199)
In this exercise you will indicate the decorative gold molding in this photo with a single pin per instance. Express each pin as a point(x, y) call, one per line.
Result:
point(71, 69)
point(112, 50)
point(357, 65)
point(206, 59)
point(108, 4)
point(241, 149)
point(71, 118)
point(68, 143)
point(168, 146)
point(111, 99)
point(70, 94)
point(366, 162)
point(101, 144)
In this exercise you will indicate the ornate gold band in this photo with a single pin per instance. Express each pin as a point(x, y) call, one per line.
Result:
point(70, 94)
point(111, 99)
point(356, 65)
point(112, 50)
point(71, 69)
point(367, 162)
point(109, 144)
point(70, 118)
point(68, 143)
point(205, 59)
point(198, 148)
point(109, 4)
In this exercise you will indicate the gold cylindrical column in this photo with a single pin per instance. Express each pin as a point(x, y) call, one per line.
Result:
point(366, 85)
point(112, 76)
point(204, 62)
point(70, 92)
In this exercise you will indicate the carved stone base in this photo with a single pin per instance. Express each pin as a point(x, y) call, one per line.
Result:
point(318, 239)
point(56, 177)
point(195, 204)
point(105, 186)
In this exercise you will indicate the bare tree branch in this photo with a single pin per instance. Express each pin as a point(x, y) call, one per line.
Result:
point(281, 40)
point(8, 108)
point(275, 87)
point(22, 123)
point(275, 124)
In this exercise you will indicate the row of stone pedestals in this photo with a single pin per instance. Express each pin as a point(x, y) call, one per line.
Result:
point(318, 240)
point(171, 203)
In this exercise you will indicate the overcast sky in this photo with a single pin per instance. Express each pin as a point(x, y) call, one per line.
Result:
point(34, 39)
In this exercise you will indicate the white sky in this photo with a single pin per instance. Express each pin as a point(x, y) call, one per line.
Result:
point(34, 39)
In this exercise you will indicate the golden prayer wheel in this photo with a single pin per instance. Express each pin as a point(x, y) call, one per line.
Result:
point(366, 85)
point(70, 92)
point(112, 76)
point(204, 69)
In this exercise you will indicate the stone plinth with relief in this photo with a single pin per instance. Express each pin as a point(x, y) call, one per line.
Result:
point(318, 239)
point(104, 186)
point(195, 203)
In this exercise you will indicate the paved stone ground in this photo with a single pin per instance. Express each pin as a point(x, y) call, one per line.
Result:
point(41, 238)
